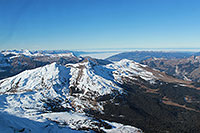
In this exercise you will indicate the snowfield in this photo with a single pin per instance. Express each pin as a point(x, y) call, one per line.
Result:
point(68, 123)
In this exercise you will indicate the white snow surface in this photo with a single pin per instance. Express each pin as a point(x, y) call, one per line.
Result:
point(22, 96)
point(10, 124)
point(67, 123)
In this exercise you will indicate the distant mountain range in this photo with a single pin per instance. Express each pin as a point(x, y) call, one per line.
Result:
point(96, 95)
point(13, 62)
point(139, 56)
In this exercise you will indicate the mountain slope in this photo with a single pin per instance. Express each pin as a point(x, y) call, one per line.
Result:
point(186, 69)
point(87, 95)
point(37, 94)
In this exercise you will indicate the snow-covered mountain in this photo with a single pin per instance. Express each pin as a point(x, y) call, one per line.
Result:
point(63, 94)
point(78, 96)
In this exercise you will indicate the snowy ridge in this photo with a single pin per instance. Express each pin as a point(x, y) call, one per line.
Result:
point(26, 92)
point(89, 81)
point(91, 76)
point(61, 94)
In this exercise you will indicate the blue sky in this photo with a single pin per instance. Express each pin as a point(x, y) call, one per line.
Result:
point(97, 24)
